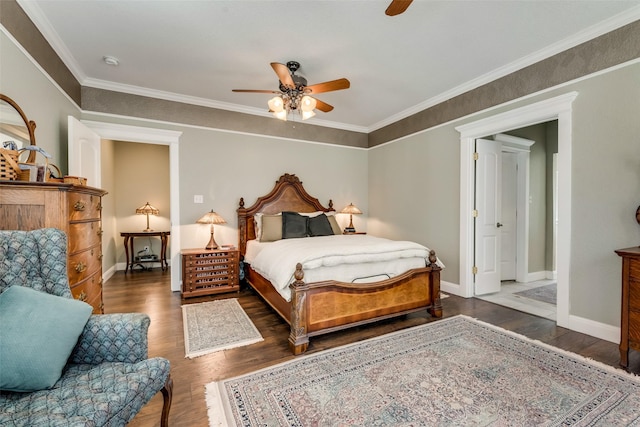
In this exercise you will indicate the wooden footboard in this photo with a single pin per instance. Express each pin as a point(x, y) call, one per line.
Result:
point(323, 307)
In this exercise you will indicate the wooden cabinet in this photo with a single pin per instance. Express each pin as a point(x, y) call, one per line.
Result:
point(76, 210)
point(206, 272)
point(630, 317)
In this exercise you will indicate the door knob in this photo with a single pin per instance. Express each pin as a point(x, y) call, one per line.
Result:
point(498, 225)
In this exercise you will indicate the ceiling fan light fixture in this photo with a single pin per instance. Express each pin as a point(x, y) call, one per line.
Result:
point(307, 114)
point(276, 104)
point(308, 104)
point(282, 115)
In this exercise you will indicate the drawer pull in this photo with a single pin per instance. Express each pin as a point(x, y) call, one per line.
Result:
point(79, 206)
point(100, 257)
point(99, 207)
point(100, 232)
point(80, 267)
point(82, 296)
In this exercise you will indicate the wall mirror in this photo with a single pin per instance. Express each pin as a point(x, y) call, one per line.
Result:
point(14, 126)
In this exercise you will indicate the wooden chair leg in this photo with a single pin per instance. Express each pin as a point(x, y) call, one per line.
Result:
point(167, 394)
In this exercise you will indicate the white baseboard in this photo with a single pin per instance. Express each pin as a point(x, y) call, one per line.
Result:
point(595, 329)
point(121, 266)
point(453, 288)
point(536, 275)
point(577, 324)
point(106, 275)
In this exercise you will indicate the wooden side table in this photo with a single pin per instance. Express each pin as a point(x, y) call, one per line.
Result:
point(207, 272)
point(630, 315)
point(128, 248)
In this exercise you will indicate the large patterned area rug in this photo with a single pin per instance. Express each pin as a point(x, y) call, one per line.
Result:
point(451, 372)
point(216, 325)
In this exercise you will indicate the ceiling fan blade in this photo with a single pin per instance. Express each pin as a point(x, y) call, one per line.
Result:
point(323, 106)
point(255, 91)
point(397, 7)
point(328, 86)
point(283, 74)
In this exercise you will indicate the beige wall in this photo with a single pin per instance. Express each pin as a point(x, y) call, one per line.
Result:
point(141, 174)
point(109, 240)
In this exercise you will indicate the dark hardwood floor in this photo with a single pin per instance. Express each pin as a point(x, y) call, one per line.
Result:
point(149, 292)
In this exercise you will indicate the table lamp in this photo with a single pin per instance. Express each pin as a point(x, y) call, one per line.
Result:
point(147, 210)
point(351, 210)
point(211, 218)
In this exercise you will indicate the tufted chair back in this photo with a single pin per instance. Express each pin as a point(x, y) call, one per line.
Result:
point(36, 259)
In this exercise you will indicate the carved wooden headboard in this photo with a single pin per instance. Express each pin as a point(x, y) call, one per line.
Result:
point(287, 195)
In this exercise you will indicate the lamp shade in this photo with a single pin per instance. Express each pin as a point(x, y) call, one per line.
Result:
point(211, 218)
point(147, 209)
point(351, 209)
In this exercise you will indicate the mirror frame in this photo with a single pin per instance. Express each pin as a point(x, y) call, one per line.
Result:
point(30, 124)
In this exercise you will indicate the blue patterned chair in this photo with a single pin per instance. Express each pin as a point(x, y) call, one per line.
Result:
point(108, 377)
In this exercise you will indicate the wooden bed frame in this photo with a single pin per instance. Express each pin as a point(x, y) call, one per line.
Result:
point(328, 306)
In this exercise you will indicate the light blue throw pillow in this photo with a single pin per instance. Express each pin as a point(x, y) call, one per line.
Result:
point(38, 332)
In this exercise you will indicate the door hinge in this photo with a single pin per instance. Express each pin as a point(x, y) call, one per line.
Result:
point(476, 156)
point(474, 270)
point(474, 213)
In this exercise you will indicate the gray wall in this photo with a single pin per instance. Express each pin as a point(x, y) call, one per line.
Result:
point(414, 188)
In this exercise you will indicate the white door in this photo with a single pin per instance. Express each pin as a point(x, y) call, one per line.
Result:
point(508, 217)
point(487, 205)
point(84, 152)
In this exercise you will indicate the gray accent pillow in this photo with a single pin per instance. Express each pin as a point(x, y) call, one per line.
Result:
point(294, 225)
point(320, 226)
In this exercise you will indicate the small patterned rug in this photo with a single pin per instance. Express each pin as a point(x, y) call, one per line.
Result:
point(451, 372)
point(547, 293)
point(216, 325)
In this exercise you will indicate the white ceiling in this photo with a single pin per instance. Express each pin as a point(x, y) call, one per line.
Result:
point(197, 51)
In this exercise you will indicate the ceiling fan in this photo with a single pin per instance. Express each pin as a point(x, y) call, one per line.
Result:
point(397, 7)
point(295, 94)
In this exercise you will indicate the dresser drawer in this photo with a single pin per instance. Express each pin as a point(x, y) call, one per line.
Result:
point(89, 290)
point(84, 235)
point(84, 206)
point(83, 264)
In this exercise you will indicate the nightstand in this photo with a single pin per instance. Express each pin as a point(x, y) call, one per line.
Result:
point(207, 272)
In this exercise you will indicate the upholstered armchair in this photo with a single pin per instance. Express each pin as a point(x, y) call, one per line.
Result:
point(107, 377)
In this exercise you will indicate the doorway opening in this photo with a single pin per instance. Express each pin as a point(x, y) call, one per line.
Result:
point(514, 204)
point(558, 108)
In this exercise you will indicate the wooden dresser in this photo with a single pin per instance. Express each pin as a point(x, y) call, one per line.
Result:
point(76, 210)
point(630, 317)
point(206, 272)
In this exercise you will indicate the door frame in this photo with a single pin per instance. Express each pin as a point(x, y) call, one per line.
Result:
point(557, 108)
point(128, 133)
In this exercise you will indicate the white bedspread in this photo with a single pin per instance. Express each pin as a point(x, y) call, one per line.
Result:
point(353, 256)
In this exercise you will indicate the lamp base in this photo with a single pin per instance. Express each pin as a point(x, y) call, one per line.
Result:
point(212, 243)
point(349, 230)
point(148, 230)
